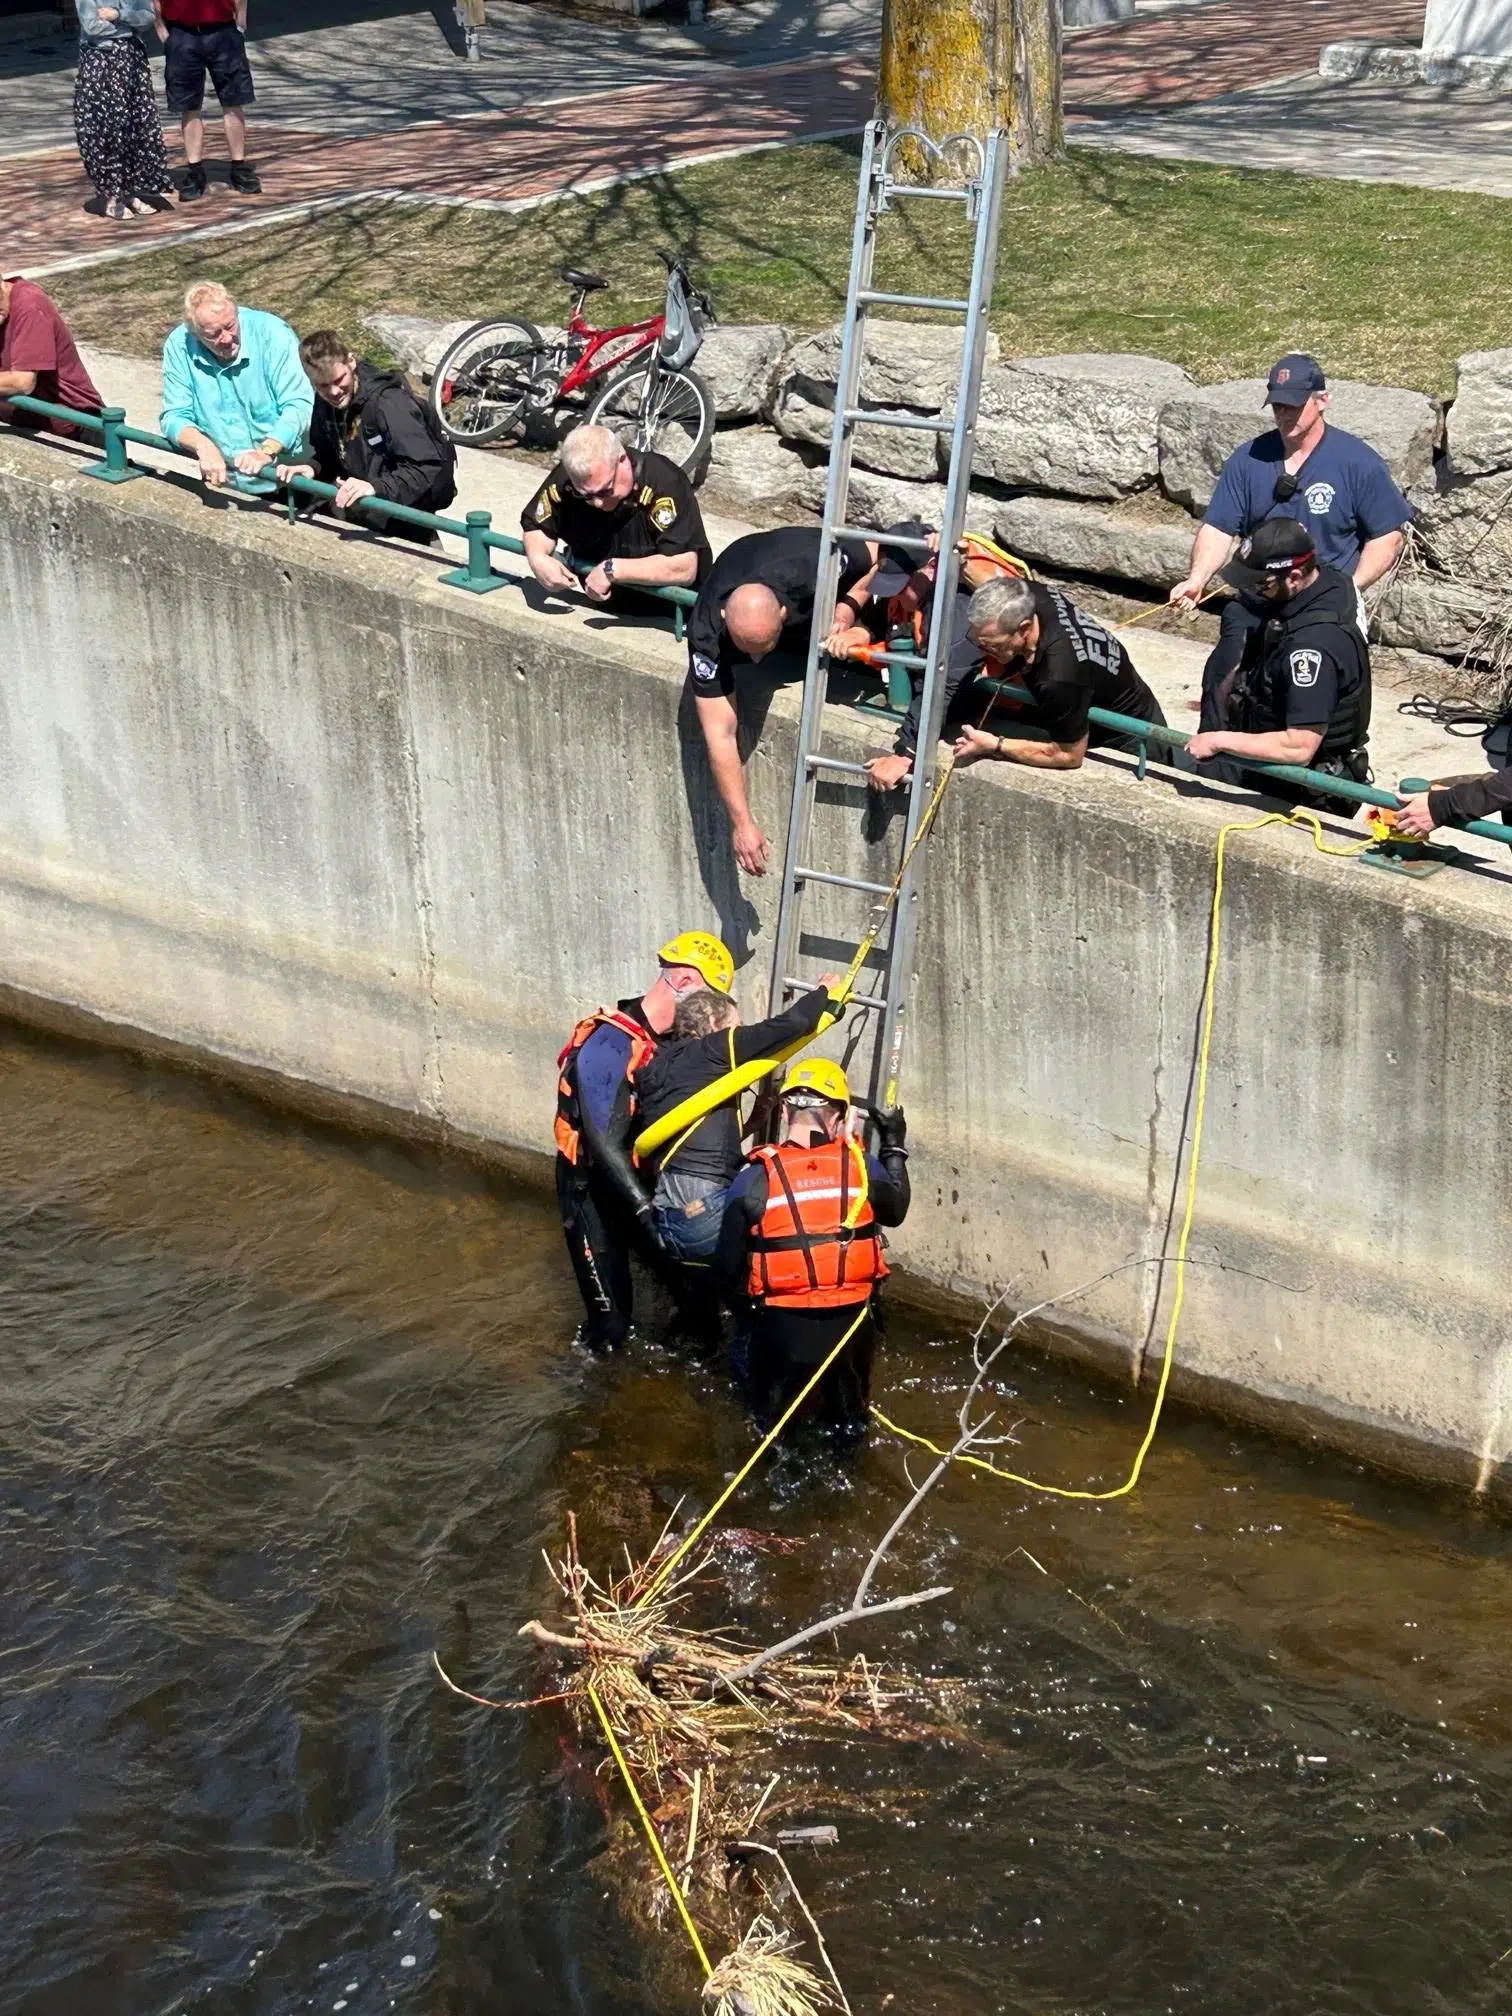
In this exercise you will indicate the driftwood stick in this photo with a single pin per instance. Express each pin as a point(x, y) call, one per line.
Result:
point(825, 1625)
point(761, 1848)
point(535, 1629)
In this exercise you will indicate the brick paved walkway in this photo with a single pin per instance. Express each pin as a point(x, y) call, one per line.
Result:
point(1154, 63)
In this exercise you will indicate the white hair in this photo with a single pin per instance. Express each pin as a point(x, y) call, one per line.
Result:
point(1000, 606)
point(201, 291)
point(586, 450)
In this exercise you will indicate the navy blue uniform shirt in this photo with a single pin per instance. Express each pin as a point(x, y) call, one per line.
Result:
point(1344, 496)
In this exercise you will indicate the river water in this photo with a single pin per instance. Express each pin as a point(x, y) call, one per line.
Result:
point(285, 1412)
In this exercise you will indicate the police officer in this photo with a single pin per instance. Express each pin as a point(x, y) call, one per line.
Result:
point(759, 599)
point(1301, 690)
point(603, 1208)
point(1333, 483)
point(630, 517)
point(802, 1240)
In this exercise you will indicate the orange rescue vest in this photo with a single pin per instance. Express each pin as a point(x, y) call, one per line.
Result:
point(818, 1245)
point(569, 1113)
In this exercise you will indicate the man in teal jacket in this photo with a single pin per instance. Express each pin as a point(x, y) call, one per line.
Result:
point(235, 395)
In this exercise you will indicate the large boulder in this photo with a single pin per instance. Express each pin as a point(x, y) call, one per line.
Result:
point(1466, 528)
point(1479, 430)
point(738, 362)
point(1446, 618)
point(908, 364)
point(1083, 425)
point(1200, 429)
point(1083, 539)
point(879, 501)
point(416, 343)
point(806, 412)
point(749, 467)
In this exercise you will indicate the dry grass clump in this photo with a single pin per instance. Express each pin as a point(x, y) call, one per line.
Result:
point(762, 1978)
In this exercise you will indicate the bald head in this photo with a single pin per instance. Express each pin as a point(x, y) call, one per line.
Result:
point(754, 618)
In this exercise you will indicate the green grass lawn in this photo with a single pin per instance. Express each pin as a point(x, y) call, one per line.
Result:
point(1219, 269)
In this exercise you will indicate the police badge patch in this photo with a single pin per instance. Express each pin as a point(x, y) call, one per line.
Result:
point(1305, 667)
point(663, 514)
point(705, 670)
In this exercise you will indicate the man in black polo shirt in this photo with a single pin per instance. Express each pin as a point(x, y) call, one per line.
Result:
point(630, 518)
point(1069, 663)
point(759, 600)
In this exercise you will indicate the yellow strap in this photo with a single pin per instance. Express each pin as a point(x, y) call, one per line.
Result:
point(651, 1834)
point(1209, 997)
point(680, 1552)
point(852, 1217)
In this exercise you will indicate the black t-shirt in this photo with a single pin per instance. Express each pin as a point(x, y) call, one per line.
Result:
point(659, 515)
point(1299, 669)
point(1079, 665)
point(787, 562)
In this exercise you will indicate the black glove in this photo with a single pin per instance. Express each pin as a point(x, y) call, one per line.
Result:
point(892, 1129)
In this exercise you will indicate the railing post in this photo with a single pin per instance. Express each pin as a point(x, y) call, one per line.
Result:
point(115, 468)
point(477, 577)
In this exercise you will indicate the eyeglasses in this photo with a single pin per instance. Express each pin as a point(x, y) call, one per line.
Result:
point(592, 493)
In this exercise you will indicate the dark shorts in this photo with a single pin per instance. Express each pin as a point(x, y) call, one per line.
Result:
point(193, 51)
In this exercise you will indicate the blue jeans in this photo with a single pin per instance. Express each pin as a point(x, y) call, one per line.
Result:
point(687, 1212)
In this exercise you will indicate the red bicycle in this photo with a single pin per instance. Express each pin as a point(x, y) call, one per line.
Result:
point(505, 380)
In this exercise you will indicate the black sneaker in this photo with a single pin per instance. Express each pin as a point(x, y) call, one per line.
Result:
point(244, 179)
point(192, 182)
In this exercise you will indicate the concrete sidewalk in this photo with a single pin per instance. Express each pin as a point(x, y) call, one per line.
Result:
point(502, 482)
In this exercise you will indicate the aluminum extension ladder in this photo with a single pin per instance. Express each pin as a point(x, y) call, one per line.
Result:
point(880, 190)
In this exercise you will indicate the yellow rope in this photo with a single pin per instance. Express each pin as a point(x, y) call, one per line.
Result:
point(651, 1834)
point(1209, 997)
point(681, 1551)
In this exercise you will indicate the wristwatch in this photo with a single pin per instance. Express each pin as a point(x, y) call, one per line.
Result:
point(609, 570)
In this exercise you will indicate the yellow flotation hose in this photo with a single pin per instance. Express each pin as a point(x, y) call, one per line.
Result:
point(691, 1110)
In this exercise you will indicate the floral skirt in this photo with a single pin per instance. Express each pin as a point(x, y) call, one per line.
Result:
point(116, 120)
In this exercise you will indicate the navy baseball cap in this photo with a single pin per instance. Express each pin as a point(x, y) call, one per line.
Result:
point(1271, 551)
point(1293, 380)
point(897, 565)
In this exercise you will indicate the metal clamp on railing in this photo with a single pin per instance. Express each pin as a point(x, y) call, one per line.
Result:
point(476, 575)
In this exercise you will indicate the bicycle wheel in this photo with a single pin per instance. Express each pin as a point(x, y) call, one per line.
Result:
point(648, 406)
point(497, 379)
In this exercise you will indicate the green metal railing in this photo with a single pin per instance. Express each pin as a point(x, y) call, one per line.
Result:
point(477, 577)
point(476, 574)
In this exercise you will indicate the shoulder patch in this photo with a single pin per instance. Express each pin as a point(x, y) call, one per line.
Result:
point(1305, 667)
point(705, 670)
point(543, 505)
point(663, 513)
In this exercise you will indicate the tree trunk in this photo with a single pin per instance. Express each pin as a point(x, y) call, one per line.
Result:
point(964, 66)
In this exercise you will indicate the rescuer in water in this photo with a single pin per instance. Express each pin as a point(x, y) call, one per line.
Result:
point(801, 1239)
point(604, 1212)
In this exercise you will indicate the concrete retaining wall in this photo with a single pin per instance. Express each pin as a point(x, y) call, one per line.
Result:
point(275, 796)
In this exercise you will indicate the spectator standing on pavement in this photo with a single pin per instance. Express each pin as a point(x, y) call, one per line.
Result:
point(1332, 483)
point(372, 437)
point(234, 391)
point(208, 36)
point(115, 113)
point(630, 517)
point(39, 358)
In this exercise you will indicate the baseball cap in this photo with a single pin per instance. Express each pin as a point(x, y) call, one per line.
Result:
point(1293, 380)
point(898, 566)
point(1272, 549)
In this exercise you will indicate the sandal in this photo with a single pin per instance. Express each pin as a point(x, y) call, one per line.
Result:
point(118, 209)
point(141, 208)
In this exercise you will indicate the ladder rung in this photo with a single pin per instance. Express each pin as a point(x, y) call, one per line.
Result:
point(858, 1000)
point(835, 763)
point(965, 195)
point(913, 301)
point(907, 420)
point(842, 882)
point(907, 545)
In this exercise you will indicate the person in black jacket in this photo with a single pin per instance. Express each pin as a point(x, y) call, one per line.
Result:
point(1301, 690)
point(372, 437)
point(1487, 796)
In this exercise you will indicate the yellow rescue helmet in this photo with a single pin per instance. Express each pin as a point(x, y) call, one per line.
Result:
point(707, 955)
point(820, 1075)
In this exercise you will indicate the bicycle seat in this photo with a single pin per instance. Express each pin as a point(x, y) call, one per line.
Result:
point(589, 283)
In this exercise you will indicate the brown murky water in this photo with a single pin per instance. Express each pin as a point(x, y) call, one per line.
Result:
point(282, 1412)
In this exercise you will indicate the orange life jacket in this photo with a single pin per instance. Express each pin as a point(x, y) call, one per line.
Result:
point(818, 1245)
point(569, 1113)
